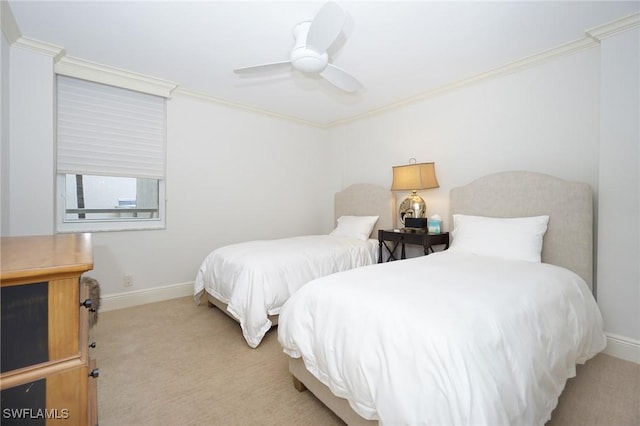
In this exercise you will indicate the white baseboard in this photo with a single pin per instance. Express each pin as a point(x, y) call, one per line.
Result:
point(623, 347)
point(112, 302)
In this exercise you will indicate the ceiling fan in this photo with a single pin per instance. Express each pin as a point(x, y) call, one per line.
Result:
point(309, 53)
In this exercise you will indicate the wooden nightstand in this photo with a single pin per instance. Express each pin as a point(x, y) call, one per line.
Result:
point(400, 238)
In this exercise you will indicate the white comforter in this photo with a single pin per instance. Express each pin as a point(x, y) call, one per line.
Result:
point(445, 339)
point(255, 278)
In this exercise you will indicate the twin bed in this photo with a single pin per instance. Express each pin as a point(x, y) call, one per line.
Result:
point(486, 332)
point(251, 281)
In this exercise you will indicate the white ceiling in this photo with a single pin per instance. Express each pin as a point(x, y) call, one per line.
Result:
point(397, 49)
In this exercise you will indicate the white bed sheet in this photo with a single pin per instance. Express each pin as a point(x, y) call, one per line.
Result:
point(255, 278)
point(449, 338)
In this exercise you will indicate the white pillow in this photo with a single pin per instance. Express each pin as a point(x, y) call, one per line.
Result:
point(355, 226)
point(517, 238)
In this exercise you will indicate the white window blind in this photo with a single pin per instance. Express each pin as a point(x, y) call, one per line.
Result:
point(109, 131)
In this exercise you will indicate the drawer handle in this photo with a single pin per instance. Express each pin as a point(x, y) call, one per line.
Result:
point(92, 344)
point(87, 303)
point(95, 373)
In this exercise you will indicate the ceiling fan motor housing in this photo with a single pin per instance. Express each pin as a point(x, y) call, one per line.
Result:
point(303, 58)
point(307, 60)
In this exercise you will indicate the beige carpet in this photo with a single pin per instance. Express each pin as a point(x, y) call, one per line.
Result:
point(174, 363)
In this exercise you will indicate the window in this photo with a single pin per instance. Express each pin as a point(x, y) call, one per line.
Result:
point(110, 158)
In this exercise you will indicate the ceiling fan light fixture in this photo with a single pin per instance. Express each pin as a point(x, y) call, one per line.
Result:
point(308, 60)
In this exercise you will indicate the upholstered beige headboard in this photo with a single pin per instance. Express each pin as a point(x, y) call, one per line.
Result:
point(365, 199)
point(568, 241)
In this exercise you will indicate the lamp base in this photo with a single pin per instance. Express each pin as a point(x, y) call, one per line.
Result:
point(412, 206)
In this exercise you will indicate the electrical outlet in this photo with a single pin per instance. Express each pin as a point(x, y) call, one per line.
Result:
point(128, 280)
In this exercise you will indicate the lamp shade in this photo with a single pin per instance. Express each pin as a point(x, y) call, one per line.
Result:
point(414, 177)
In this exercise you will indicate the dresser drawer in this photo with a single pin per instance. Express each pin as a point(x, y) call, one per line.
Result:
point(40, 323)
point(56, 399)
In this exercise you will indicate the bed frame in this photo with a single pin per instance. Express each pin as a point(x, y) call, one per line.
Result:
point(568, 241)
point(361, 199)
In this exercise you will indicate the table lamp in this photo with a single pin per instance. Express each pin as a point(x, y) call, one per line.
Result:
point(413, 177)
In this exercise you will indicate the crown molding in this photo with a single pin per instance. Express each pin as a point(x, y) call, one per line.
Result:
point(529, 61)
point(8, 22)
point(79, 68)
point(592, 38)
point(611, 28)
point(87, 70)
point(39, 47)
point(200, 95)
point(526, 62)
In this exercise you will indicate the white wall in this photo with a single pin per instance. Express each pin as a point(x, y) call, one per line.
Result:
point(619, 181)
point(4, 132)
point(232, 175)
point(543, 119)
point(31, 175)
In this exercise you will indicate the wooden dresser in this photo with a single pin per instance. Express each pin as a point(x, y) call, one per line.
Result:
point(47, 376)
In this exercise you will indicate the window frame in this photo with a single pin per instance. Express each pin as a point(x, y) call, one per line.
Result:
point(101, 225)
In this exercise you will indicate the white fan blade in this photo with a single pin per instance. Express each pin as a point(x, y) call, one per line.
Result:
point(326, 27)
point(262, 67)
point(341, 79)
